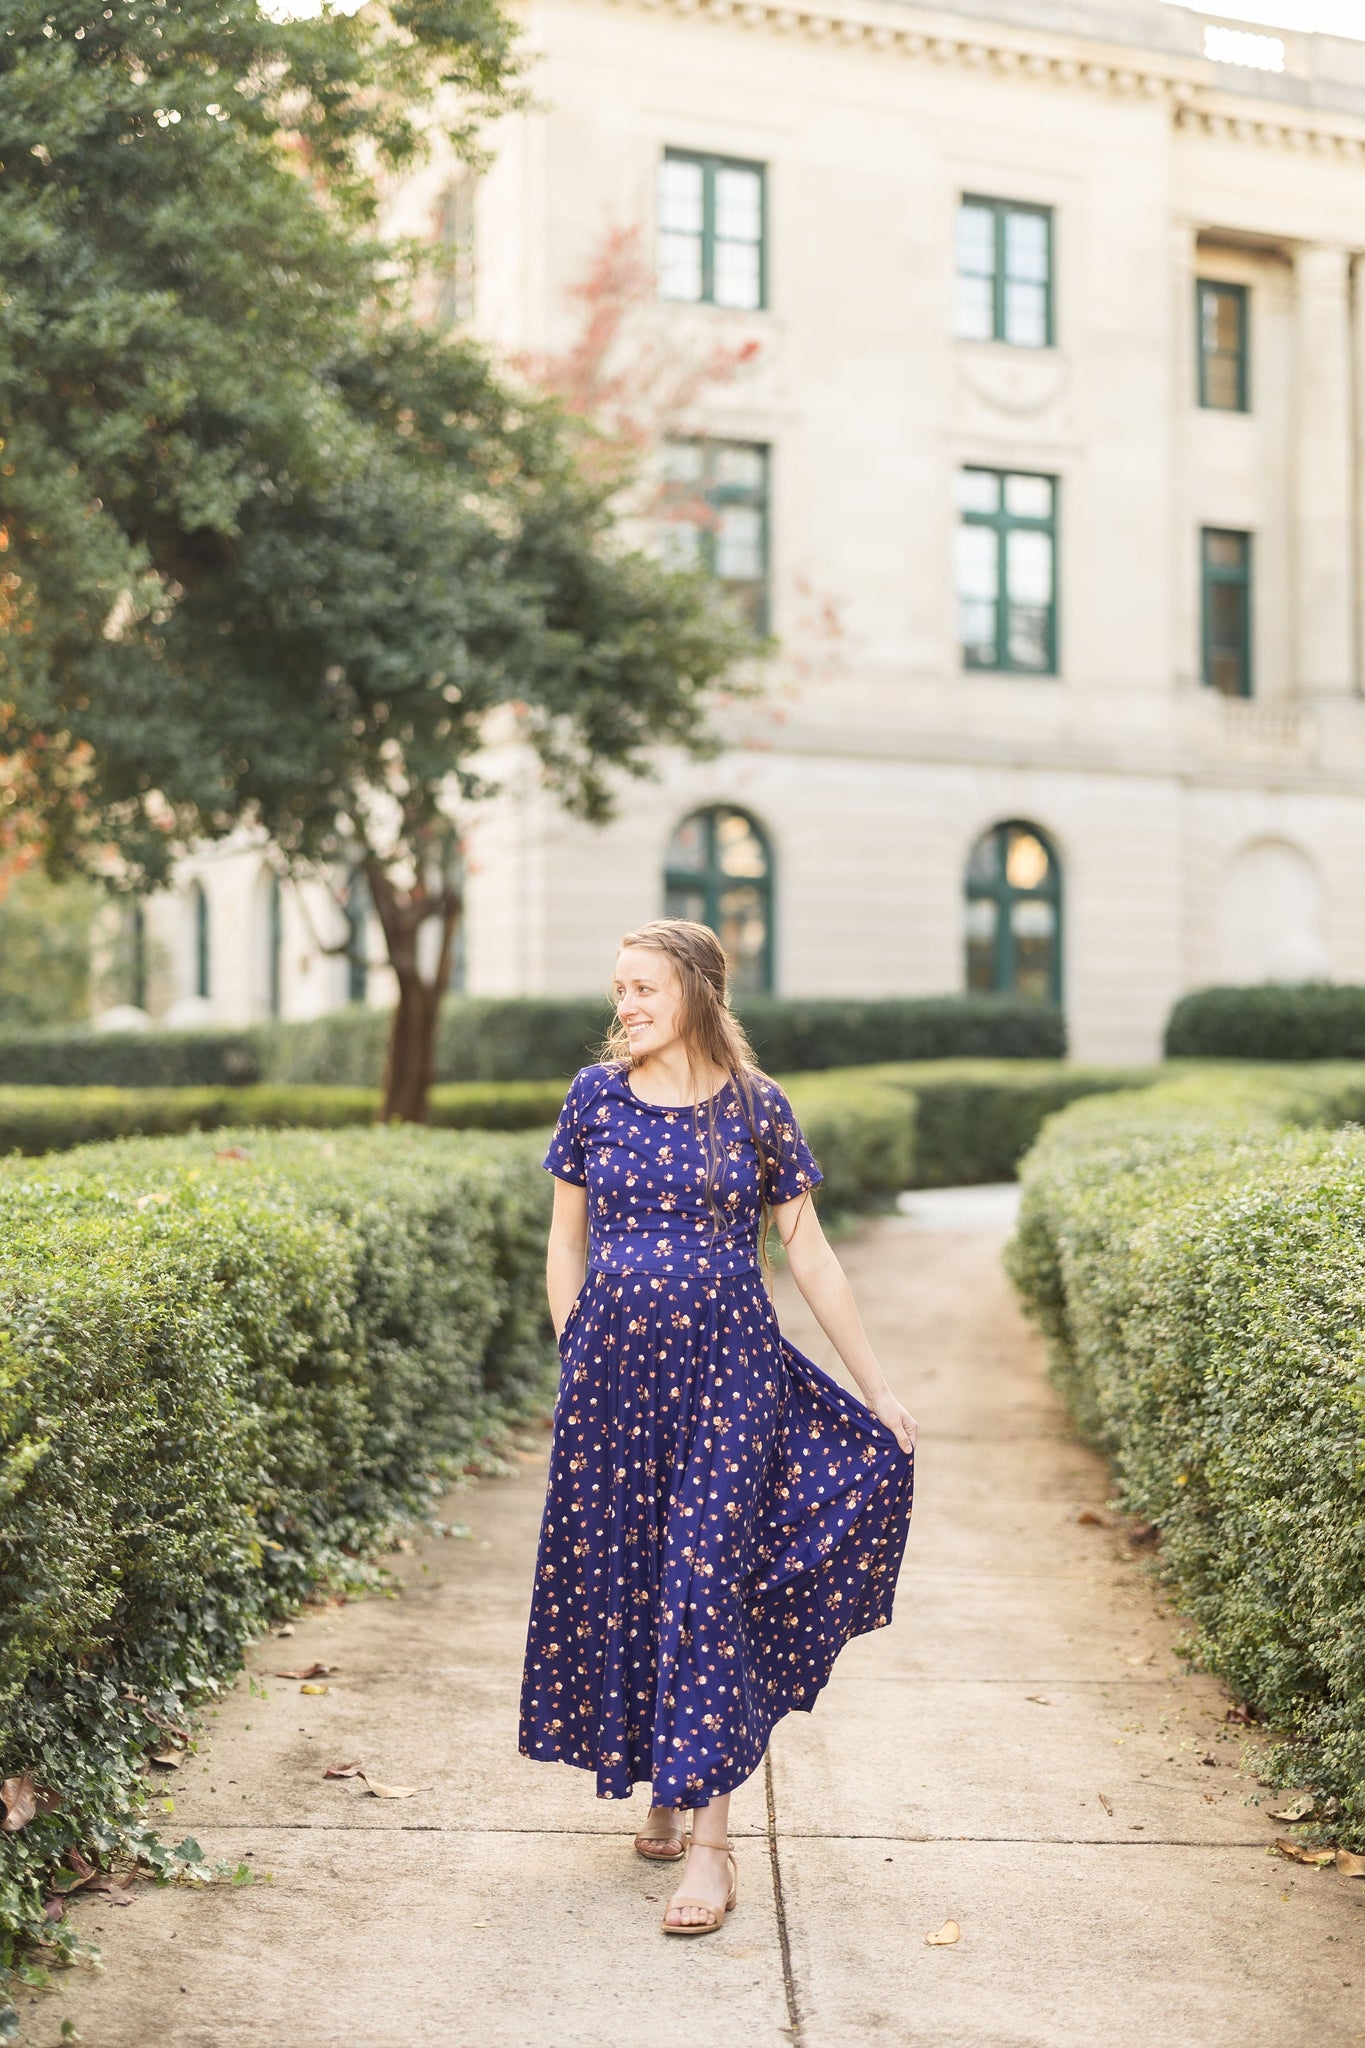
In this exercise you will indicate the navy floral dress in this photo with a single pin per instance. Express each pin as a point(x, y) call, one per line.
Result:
point(721, 1516)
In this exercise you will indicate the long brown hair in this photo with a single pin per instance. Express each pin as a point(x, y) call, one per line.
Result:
point(712, 1037)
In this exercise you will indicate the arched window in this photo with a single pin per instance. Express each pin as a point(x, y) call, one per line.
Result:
point(357, 937)
point(199, 938)
point(719, 872)
point(1014, 914)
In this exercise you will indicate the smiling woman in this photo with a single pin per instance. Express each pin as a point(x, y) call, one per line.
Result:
point(721, 1516)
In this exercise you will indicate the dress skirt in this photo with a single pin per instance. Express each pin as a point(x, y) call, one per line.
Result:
point(721, 1518)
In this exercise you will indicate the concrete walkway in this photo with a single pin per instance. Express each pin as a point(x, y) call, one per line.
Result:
point(1021, 1753)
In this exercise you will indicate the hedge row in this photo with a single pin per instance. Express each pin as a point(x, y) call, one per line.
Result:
point(1270, 1021)
point(875, 1129)
point(1195, 1255)
point(525, 1038)
point(224, 1370)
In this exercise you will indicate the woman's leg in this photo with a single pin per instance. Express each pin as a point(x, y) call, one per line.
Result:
point(706, 1874)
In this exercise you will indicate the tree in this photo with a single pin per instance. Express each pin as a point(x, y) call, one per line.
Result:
point(276, 552)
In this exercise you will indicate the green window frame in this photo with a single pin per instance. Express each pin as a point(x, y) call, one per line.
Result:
point(274, 940)
point(1014, 913)
point(1005, 272)
point(1225, 580)
point(199, 900)
point(713, 515)
point(718, 871)
point(357, 937)
point(1006, 571)
point(712, 231)
point(1222, 331)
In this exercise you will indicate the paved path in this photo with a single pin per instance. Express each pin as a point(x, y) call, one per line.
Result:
point(1021, 1752)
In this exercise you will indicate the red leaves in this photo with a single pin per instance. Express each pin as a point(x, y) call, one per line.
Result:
point(344, 1771)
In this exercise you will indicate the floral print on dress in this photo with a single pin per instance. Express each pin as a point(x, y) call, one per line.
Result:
point(721, 1516)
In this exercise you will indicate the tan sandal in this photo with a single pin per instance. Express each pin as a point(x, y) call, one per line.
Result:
point(657, 1849)
point(717, 1916)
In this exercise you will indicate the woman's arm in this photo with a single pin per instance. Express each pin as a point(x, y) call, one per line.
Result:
point(566, 1256)
point(826, 1292)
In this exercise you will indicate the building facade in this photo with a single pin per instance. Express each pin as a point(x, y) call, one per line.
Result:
point(1045, 468)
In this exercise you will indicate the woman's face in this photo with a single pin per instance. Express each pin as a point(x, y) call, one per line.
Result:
point(648, 999)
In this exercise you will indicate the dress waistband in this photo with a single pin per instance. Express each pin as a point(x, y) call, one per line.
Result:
point(681, 1269)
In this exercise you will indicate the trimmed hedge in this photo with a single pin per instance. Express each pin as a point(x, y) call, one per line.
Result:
point(1195, 1255)
point(36, 1120)
point(524, 1039)
point(225, 1369)
point(1270, 1021)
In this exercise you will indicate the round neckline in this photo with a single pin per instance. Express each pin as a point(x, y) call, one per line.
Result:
point(674, 1108)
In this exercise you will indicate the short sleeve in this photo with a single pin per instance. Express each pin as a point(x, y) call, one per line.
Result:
point(789, 1164)
point(566, 1156)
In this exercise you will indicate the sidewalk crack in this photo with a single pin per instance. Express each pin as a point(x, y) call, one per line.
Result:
point(780, 1904)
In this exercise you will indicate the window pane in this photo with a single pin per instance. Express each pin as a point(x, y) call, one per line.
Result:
point(687, 847)
point(1225, 550)
point(1034, 928)
point(743, 931)
point(680, 196)
point(976, 241)
point(683, 902)
point(680, 266)
point(1026, 863)
point(680, 544)
point(739, 543)
point(739, 205)
point(984, 864)
point(1222, 384)
point(1026, 240)
point(683, 462)
point(975, 316)
point(738, 275)
point(981, 947)
point(1028, 497)
point(1028, 566)
point(1026, 315)
point(739, 850)
point(738, 468)
point(978, 571)
point(978, 490)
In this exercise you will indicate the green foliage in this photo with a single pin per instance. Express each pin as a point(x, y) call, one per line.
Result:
point(1269, 1021)
point(525, 1038)
point(44, 951)
point(37, 1120)
point(224, 1373)
point(1195, 1254)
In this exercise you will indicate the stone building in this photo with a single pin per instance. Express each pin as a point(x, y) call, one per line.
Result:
point(1045, 472)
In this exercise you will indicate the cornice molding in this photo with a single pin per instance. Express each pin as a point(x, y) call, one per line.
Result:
point(1195, 105)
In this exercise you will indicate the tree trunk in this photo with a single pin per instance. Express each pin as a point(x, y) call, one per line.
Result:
point(411, 1056)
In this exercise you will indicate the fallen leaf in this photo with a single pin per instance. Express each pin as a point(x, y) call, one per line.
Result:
point(169, 1759)
point(286, 1630)
point(315, 1688)
point(55, 1907)
point(344, 1771)
point(310, 1671)
point(1296, 1852)
point(1039, 1699)
point(478, 1923)
point(1210, 1759)
point(1297, 1809)
point(1349, 1864)
point(1091, 1518)
point(20, 1799)
point(1141, 1660)
point(1106, 1805)
point(389, 1791)
point(945, 1936)
point(1242, 1714)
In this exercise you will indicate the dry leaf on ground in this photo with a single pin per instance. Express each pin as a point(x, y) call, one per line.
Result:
point(169, 1759)
point(1091, 1518)
point(315, 1688)
point(1106, 1805)
point(20, 1799)
point(1349, 1864)
point(310, 1671)
point(1039, 1699)
point(344, 1771)
point(389, 1791)
point(945, 1936)
point(1297, 1809)
point(1296, 1852)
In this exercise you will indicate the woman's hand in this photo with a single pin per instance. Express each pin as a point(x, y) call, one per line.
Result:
point(897, 1417)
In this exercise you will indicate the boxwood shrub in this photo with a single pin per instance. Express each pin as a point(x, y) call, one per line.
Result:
point(1195, 1254)
point(1269, 1021)
point(525, 1038)
point(226, 1365)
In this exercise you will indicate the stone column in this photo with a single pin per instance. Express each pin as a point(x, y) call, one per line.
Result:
point(1323, 470)
point(1184, 543)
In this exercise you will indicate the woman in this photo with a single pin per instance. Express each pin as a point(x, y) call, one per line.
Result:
point(721, 1517)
